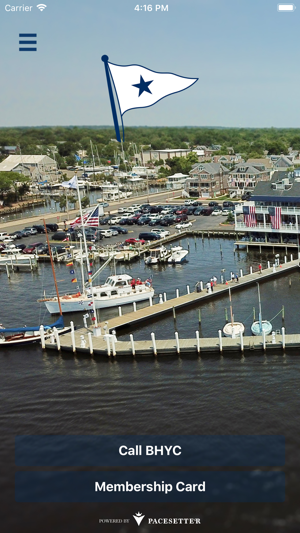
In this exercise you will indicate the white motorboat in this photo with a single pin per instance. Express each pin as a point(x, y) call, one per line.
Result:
point(117, 290)
point(178, 255)
point(157, 255)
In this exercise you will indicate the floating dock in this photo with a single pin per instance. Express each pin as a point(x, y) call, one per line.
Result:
point(82, 340)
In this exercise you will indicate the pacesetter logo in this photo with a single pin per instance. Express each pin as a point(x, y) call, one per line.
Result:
point(139, 517)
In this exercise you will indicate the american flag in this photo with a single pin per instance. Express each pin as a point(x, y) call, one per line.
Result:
point(93, 218)
point(275, 216)
point(249, 215)
point(77, 221)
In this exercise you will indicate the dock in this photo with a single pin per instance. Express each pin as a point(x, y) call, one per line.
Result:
point(107, 344)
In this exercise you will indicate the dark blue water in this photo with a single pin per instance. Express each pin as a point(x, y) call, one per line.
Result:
point(51, 393)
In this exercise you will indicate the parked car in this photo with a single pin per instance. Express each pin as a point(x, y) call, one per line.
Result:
point(196, 203)
point(162, 232)
point(207, 211)
point(39, 228)
point(21, 246)
point(31, 249)
point(115, 220)
point(13, 236)
point(106, 232)
point(154, 221)
point(3, 234)
point(18, 234)
point(213, 204)
point(188, 202)
point(228, 204)
point(134, 241)
point(104, 204)
point(143, 220)
point(225, 212)
point(149, 236)
point(216, 212)
point(52, 227)
point(198, 211)
point(181, 218)
point(119, 229)
point(25, 233)
point(183, 225)
point(104, 220)
point(60, 236)
point(31, 230)
point(7, 240)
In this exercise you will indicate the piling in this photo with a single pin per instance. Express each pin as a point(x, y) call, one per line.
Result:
point(90, 337)
point(107, 344)
point(73, 336)
point(120, 310)
point(199, 316)
point(188, 289)
point(220, 340)
point(241, 273)
point(282, 313)
point(56, 338)
point(174, 318)
point(198, 341)
point(177, 293)
point(113, 344)
point(134, 307)
point(253, 314)
point(285, 259)
point(283, 337)
point(226, 315)
point(201, 285)
point(242, 341)
point(150, 301)
point(153, 343)
point(42, 334)
point(290, 282)
point(132, 344)
point(177, 342)
point(264, 339)
point(291, 257)
point(165, 296)
point(251, 270)
point(7, 270)
point(269, 265)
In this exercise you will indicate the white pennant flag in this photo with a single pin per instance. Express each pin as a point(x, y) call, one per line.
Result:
point(137, 86)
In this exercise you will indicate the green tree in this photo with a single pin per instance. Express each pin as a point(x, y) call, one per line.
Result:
point(85, 201)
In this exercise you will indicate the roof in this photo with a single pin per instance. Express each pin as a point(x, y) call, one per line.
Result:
point(247, 169)
point(265, 192)
point(261, 161)
point(179, 175)
point(211, 168)
point(12, 161)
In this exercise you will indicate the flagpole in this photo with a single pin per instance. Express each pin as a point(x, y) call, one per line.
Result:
point(111, 97)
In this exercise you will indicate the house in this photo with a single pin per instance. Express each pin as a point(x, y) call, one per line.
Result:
point(273, 214)
point(244, 177)
point(8, 150)
point(227, 160)
point(37, 167)
point(207, 180)
point(282, 162)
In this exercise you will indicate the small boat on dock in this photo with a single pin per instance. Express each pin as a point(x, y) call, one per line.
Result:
point(30, 334)
point(178, 255)
point(233, 329)
point(260, 326)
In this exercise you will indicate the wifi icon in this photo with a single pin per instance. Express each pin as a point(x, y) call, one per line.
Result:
point(41, 7)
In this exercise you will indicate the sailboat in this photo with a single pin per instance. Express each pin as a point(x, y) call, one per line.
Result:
point(30, 334)
point(260, 325)
point(233, 329)
point(117, 290)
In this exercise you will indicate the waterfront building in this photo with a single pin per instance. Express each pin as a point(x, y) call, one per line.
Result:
point(273, 214)
point(207, 180)
point(37, 167)
point(151, 155)
point(176, 181)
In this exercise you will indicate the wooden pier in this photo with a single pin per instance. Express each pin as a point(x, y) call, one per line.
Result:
point(106, 344)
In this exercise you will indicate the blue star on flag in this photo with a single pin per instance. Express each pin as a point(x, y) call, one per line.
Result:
point(143, 86)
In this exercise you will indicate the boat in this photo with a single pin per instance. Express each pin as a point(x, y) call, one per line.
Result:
point(117, 290)
point(29, 334)
point(175, 254)
point(233, 329)
point(157, 255)
point(178, 255)
point(260, 326)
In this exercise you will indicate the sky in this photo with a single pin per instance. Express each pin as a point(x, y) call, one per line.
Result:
point(245, 54)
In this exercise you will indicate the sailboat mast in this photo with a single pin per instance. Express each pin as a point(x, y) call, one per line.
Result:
point(259, 307)
point(86, 251)
point(52, 266)
point(93, 159)
point(231, 315)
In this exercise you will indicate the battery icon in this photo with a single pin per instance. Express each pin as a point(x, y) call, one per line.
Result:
point(286, 7)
